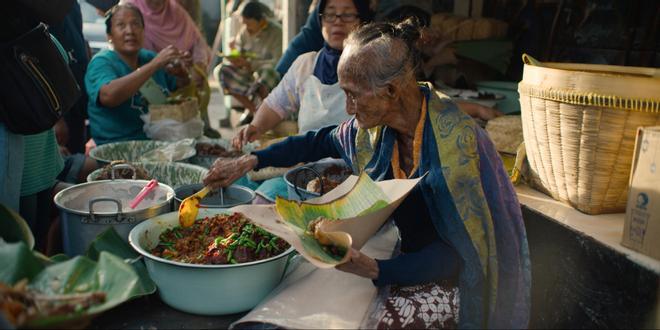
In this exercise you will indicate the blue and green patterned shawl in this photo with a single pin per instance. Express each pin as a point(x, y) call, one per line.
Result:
point(472, 205)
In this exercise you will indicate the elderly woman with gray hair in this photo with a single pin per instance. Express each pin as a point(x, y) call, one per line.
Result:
point(463, 244)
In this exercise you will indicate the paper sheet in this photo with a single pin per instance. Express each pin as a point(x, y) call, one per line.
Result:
point(313, 298)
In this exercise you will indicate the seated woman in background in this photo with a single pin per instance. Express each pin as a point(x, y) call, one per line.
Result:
point(464, 257)
point(250, 74)
point(166, 22)
point(114, 77)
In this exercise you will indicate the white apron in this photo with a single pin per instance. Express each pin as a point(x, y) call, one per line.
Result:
point(321, 105)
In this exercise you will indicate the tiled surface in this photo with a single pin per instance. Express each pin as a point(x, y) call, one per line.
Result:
point(605, 228)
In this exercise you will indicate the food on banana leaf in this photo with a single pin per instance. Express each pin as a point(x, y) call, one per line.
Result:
point(313, 229)
point(21, 304)
point(221, 239)
point(366, 197)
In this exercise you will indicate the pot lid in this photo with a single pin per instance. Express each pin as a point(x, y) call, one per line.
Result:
point(105, 196)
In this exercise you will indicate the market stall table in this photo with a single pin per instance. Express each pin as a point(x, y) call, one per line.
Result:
point(151, 312)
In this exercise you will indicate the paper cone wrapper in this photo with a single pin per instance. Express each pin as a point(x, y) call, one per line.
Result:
point(352, 230)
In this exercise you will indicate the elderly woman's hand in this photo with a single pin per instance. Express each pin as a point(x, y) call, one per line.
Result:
point(227, 170)
point(247, 134)
point(360, 264)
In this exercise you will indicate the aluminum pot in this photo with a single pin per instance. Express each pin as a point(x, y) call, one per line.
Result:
point(90, 208)
point(296, 179)
point(231, 196)
point(206, 289)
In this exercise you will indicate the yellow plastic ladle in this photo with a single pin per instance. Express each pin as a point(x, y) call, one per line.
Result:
point(190, 207)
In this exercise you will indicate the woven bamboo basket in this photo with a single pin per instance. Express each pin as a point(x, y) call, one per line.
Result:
point(579, 125)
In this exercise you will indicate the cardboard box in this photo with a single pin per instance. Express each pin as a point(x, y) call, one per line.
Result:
point(181, 112)
point(641, 230)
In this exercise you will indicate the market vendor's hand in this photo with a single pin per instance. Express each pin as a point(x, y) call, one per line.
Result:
point(166, 56)
point(227, 170)
point(179, 67)
point(247, 134)
point(360, 264)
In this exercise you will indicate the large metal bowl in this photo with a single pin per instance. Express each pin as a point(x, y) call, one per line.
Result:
point(205, 289)
point(172, 174)
point(231, 196)
point(135, 151)
point(297, 179)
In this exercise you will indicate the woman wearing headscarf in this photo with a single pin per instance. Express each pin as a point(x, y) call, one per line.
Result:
point(167, 23)
point(310, 88)
point(464, 257)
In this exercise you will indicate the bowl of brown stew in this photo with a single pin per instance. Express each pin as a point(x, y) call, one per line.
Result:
point(222, 264)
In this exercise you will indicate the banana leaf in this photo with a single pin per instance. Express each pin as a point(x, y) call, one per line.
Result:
point(365, 198)
point(13, 227)
point(110, 274)
point(110, 241)
point(354, 211)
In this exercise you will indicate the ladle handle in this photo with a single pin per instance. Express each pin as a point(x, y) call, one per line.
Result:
point(295, 180)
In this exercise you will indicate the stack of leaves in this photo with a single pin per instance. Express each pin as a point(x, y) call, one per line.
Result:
point(63, 294)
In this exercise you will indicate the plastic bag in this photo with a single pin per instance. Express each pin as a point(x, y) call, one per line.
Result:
point(172, 130)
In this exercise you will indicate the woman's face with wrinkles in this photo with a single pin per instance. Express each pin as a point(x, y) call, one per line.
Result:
point(127, 32)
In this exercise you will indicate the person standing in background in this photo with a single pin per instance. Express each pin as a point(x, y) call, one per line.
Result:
point(167, 23)
point(194, 10)
point(29, 164)
point(71, 131)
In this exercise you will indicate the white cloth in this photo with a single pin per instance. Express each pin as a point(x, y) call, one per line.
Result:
point(300, 92)
point(321, 105)
point(313, 298)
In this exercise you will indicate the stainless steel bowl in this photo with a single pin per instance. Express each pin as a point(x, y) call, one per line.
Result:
point(297, 179)
point(231, 196)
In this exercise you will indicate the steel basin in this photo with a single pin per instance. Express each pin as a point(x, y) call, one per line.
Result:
point(206, 289)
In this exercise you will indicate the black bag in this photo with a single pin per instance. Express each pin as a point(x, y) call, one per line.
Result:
point(36, 83)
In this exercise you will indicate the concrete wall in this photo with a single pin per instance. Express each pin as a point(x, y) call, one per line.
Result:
point(578, 282)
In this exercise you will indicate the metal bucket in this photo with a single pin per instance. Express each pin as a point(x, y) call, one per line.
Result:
point(231, 196)
point(90, 208)
point(296, 179)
